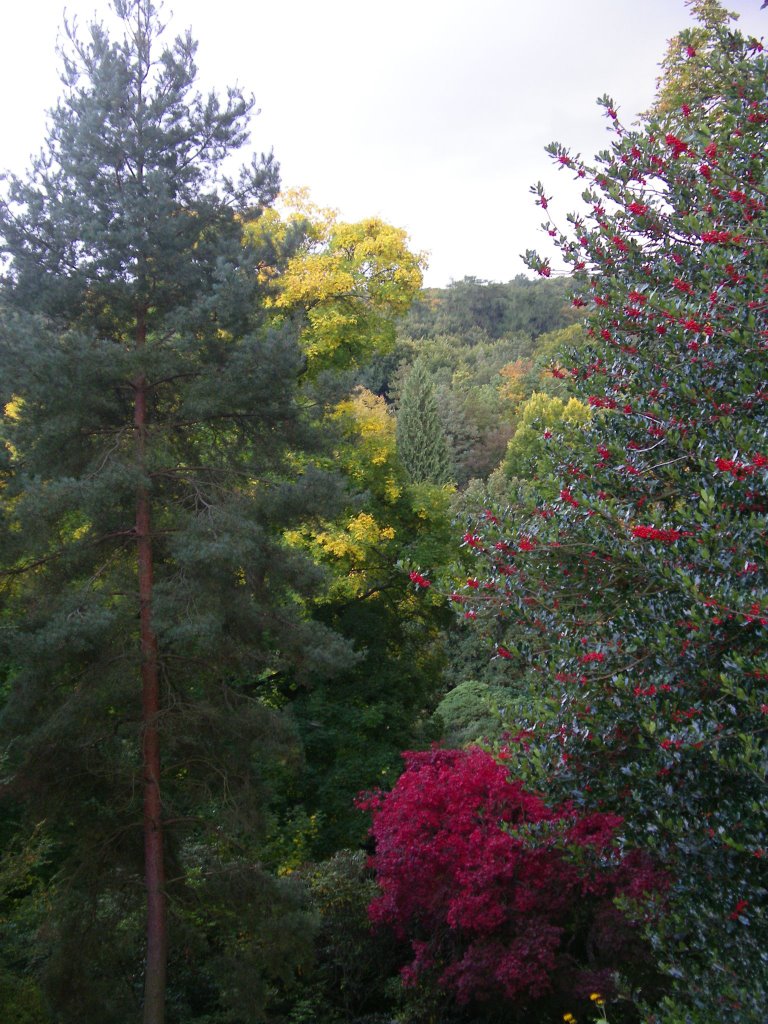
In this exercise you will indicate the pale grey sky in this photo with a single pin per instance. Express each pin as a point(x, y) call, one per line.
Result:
point(432, 114)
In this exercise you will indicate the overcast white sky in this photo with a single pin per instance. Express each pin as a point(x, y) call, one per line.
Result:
point(432, 114)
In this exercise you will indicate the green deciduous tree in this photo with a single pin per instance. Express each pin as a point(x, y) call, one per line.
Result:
point(154, 454)
point(478, 310)
point(355, 728)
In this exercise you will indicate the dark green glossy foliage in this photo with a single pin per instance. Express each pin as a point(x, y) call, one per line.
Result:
point(627, 585)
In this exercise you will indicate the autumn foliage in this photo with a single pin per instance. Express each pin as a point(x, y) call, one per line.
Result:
point(500, 896)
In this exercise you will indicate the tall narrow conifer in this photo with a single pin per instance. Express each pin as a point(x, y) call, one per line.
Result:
point(421, 444)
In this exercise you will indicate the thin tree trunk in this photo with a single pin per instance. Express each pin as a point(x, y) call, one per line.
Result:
point(154, 863)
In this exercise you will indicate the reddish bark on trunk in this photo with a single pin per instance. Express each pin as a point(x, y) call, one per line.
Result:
point(154, 863)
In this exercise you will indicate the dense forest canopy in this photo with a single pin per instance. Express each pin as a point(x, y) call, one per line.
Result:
point(374, 653)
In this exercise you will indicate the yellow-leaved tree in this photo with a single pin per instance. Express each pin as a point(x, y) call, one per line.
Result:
point(542, 417)
point(349, 282)
point(687, 66)
point(345, 285)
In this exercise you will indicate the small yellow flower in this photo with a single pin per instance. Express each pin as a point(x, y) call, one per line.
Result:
point(569, 1018)
point(596, 997)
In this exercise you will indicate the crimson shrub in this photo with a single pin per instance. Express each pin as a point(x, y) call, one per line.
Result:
point(505, 900)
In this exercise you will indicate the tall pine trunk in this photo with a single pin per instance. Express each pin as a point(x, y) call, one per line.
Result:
point(154, 864)
point(126, 239)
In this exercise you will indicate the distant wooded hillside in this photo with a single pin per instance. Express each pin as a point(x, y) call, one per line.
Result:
point(485, 348)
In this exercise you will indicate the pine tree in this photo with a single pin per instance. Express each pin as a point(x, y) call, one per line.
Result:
point(155, 451)
point(421, 445)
